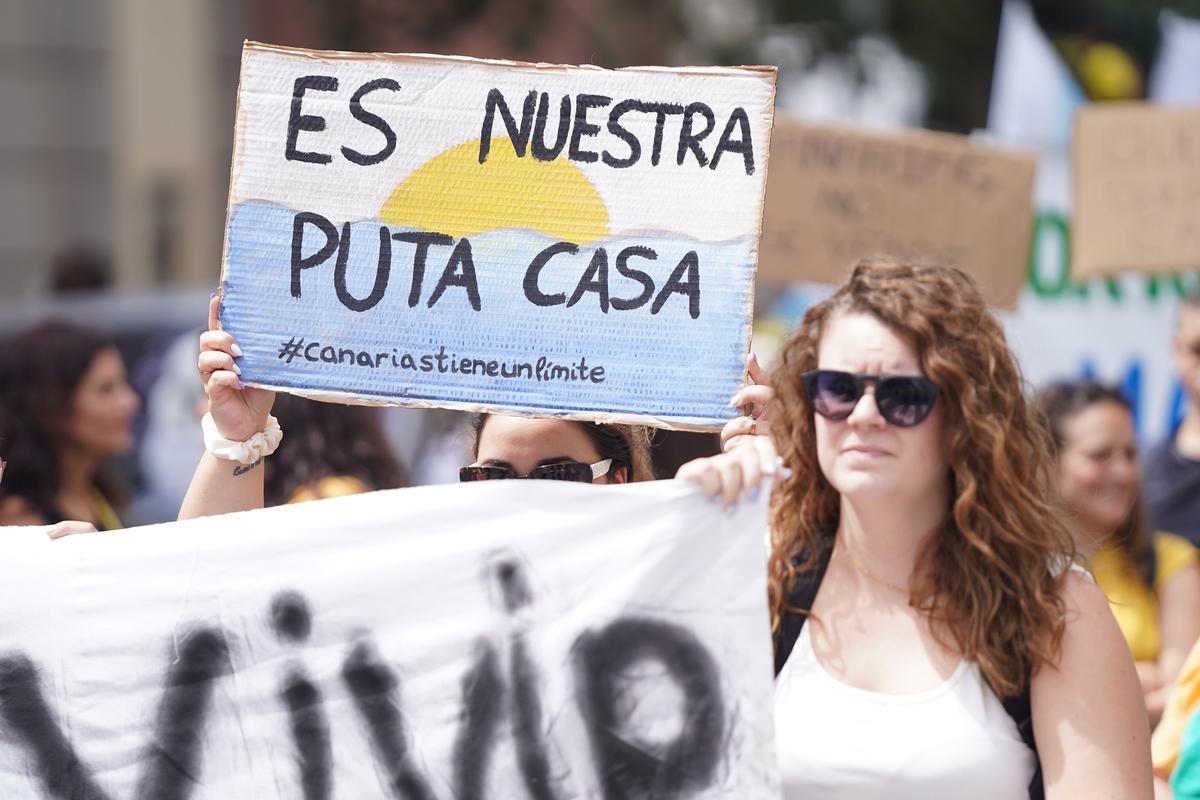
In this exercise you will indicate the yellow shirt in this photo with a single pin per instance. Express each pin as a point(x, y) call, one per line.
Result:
point(1133, 604)
point(1183, 700)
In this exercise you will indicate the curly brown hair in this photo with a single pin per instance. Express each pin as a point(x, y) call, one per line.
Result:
point(987, 579)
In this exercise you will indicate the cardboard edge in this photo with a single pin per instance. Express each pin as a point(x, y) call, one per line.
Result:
point(763, 70)
point(348, 398)
point(921, 137)
point(748, 333)
point(239, 143)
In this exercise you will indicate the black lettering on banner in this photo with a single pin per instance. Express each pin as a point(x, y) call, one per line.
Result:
point(605, 664)
point(538, 144)
point(519, 136)
point(382, 271)
point(532, 292)
point(301, 262)
point(482, 711)
point(375, 691)
point(26, 714)
point(691, 141)
point(298, 121)
point(643, 278)
point(660, 110)
point(172, 767)
point(744, 144)
point(624, 134)
point(461, 257)
point(583, 128)
point(374, 121)
point(423, 241)
point(685, 280)
point(634, 770)
point(291, 620)
point(595, 279)
point(516, 593)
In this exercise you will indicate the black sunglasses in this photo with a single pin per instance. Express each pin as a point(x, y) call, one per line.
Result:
point(902, 400)
point(575, 471)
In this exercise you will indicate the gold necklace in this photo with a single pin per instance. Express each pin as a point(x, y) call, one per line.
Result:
point(866, 573)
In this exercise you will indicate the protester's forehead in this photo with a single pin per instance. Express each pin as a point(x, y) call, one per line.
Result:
point(1102, 422)
point(858, 342)
point(522, 439)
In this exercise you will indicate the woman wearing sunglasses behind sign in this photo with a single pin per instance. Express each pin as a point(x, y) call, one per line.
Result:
point(240, 433)
point(917, 526)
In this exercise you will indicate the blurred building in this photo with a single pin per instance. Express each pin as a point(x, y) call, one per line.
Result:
point(117, 120)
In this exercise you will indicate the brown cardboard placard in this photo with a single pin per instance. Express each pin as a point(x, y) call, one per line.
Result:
point(1136, 182)
point(550, 240)
point(837, 194)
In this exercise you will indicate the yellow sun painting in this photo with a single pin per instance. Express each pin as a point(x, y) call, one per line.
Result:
point(453, 193)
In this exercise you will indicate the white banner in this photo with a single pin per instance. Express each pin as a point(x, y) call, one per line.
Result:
point(500, 640)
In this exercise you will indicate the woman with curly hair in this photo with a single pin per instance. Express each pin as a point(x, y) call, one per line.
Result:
point(240, 433)
point(1151, 578)
point(933, 638)
point(65, 408)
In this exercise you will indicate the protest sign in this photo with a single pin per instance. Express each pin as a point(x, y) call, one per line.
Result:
point(836, 195)
point(506, 640)
point(1136, 174)
point(564, 241)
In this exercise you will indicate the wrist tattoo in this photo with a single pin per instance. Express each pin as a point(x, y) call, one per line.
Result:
point(242, 469)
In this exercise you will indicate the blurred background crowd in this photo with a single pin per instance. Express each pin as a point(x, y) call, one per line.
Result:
point(116, 120)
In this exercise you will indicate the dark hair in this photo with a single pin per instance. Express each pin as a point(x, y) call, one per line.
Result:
point(40, 371)
point(1060, 402)
point(327, 440)
point(627, 445)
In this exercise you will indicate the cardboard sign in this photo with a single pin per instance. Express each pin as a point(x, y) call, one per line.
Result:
point(837, 195)
point(497, 641)
point(1137, 189)
point(561, 241)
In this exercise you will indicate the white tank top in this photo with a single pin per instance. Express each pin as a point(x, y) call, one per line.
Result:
point(838, 741)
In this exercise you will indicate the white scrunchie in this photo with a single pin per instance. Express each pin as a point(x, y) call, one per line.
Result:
point(258, 446)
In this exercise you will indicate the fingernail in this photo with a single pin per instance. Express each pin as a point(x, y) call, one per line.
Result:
point(241, 385)
point(787, 473)
point(754, 490)
point(714, 498)
point(736, 400)
point(729, 509)
point(237, 351)
point(237, 370)
point(211, 296)
point(754, 357)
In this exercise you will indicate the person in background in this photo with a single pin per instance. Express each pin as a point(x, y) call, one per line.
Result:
point(331, 450)
point(65, 407)
point(61, 529)
point(1172, 487)
point(589, 452)
point(1152, 579)
point(934, 637)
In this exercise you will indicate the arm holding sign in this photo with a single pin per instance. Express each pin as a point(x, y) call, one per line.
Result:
point(221, 486)
point(749, 457)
